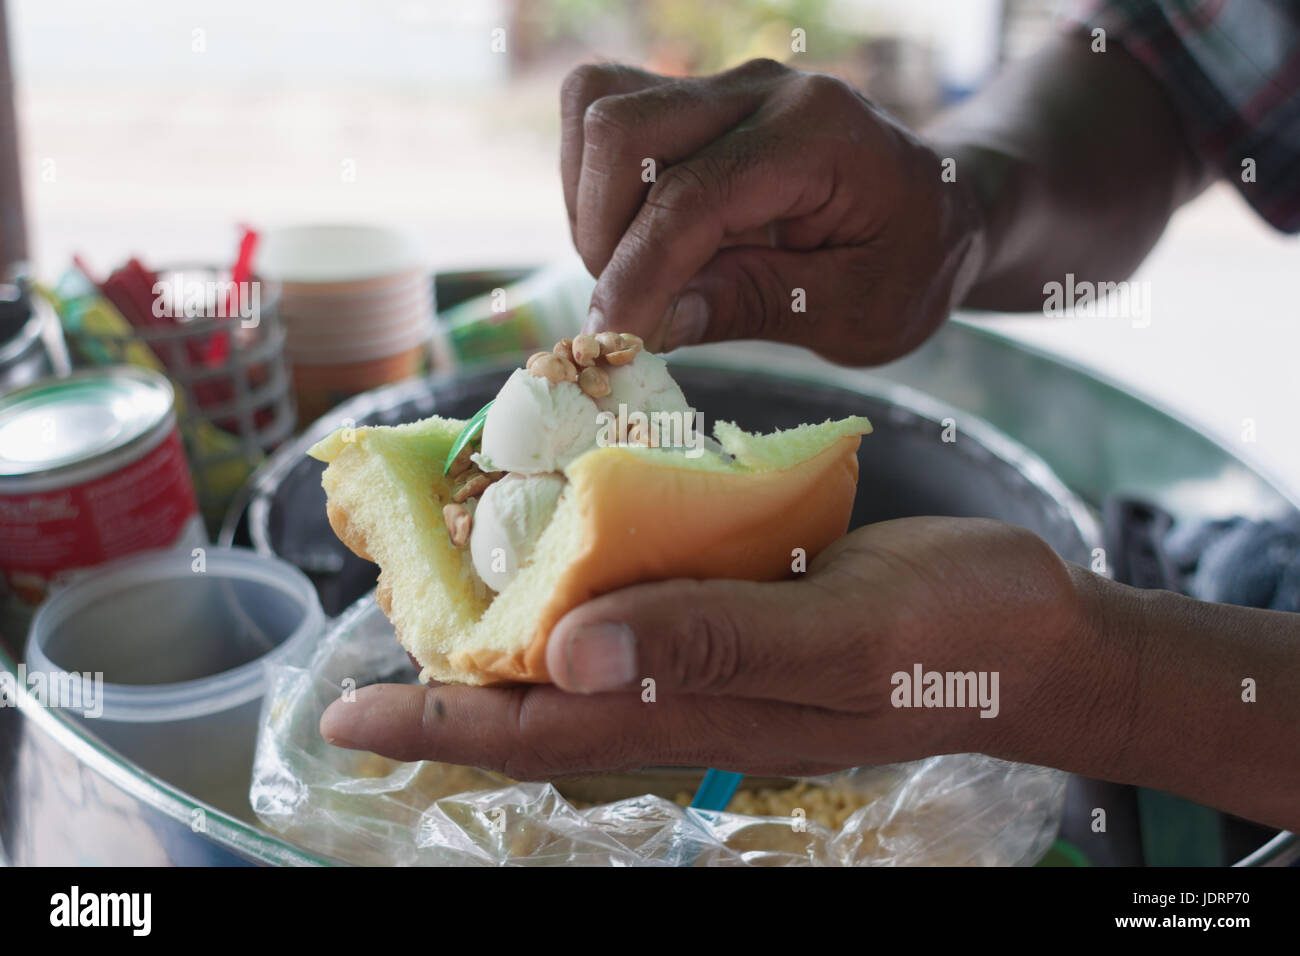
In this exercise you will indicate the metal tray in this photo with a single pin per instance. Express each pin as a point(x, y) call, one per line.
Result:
point(64, 798)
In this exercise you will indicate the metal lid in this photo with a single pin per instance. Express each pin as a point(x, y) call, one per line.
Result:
point(60, 422)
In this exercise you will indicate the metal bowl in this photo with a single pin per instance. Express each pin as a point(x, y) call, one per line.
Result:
point(907, 467)
point(65, 798)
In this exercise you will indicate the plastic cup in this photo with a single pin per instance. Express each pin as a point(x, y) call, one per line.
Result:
point(182, 654)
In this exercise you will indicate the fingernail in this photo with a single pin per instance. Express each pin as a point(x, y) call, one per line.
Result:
point(333, 726)
point(595, 322)
point(601, 657)
point(690, 319)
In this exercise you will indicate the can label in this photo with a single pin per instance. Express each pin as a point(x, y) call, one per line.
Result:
point(148, 503)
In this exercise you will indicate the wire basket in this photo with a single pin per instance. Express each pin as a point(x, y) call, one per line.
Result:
point(231, 410)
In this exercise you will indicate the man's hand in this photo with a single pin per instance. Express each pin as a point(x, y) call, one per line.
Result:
point(795, 678)
point(784, 206)
point(790, 678)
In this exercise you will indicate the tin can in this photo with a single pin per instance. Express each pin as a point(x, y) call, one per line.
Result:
point(91, 468)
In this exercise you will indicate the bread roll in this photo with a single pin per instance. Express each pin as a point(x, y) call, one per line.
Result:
point(629, 515)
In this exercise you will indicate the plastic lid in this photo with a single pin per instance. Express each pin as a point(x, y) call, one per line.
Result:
point(59, 422)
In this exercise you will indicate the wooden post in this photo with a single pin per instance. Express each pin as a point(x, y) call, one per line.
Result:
point(13, 224)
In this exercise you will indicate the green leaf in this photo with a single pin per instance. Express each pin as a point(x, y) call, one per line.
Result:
point(467, 434)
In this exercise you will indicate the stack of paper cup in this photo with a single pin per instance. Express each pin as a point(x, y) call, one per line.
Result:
point(357, 307)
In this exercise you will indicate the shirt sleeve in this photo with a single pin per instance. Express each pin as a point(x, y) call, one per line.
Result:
point(1232, 70)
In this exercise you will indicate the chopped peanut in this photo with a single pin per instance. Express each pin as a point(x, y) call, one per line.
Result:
point(570, 370)
point(594, 381)
point(622, 356)
point(609, 342)
point(619, 348)
point(461, 463)
point(549, 366)
point(474, 484)
point(586, 350)
point(459, 522)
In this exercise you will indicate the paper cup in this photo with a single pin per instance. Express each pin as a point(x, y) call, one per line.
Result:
point(319, 388)
point(357, 308)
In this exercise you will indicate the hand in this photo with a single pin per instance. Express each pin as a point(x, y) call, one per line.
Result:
point(787, 678)
point(767, 180)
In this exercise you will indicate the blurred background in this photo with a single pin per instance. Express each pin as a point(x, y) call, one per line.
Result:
point(151, 127)
point(185, 134)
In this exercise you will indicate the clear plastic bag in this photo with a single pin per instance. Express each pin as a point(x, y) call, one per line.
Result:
point(963, 809)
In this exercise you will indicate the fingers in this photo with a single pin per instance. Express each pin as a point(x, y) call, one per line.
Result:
point(738, 184)
point(582, 87)
point(540, 732)
point(822, 300)
point(628, 140)
point(784, 641)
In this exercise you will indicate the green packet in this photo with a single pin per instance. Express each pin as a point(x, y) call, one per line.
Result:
point(526, 316)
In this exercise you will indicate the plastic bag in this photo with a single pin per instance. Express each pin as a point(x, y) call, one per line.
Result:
point(963, 809)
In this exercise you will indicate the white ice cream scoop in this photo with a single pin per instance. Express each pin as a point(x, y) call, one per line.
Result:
point(534, 426)
point(643, 385)
point(509, 519)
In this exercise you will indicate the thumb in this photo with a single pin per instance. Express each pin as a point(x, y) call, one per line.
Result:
point(756, 292)
point(737, 638)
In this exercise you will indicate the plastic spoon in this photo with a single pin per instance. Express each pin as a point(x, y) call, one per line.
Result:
point(716, 790)
point(714, 793)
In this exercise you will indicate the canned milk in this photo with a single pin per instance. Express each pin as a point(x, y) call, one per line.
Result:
point(91, 468)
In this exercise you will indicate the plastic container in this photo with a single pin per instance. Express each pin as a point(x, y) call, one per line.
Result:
point(181, 654)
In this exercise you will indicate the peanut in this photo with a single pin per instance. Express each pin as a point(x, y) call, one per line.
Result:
point(547, 365)
point(622, 356)
point(639, 434)
point(459, 523)
point(586, 350)
point(475, 484)
point(619, 348)
point(609, 342)
point(570, 370)
point(461, 463)
point(594, 381)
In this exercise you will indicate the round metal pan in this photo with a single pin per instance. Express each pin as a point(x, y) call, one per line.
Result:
point(65, 799)
point(917, 461)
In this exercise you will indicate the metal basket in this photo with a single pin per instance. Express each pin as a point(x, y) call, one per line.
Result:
point(231, 415)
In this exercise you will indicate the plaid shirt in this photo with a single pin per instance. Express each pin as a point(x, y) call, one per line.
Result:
point(1232, 69)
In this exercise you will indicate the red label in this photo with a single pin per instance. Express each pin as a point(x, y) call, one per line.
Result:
point(143, 505)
